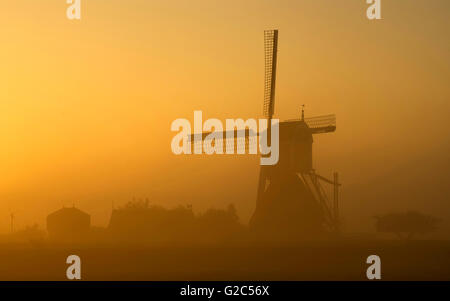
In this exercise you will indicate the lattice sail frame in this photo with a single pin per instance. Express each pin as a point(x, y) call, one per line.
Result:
point(321, 121)
point(319, 124)
point(239, 143)
point(270, 58)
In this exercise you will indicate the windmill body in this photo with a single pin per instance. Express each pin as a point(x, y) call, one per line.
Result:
point(289, 203)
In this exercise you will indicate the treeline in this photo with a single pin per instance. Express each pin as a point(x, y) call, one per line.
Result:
point(138, 222)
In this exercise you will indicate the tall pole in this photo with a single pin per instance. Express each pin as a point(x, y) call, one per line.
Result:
point(12, 222)
point(336, 200)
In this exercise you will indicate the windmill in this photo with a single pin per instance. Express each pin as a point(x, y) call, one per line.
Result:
point(290, 200)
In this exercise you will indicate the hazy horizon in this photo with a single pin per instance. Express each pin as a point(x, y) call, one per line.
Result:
point(86, 106)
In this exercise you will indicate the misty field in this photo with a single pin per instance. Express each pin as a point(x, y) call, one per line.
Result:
point(337, 260)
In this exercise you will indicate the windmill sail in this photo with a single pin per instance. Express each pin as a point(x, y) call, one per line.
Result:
point(237, 140)
point(270, 57)
point(319, 124)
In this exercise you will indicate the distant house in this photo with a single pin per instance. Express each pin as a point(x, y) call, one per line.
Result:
point(68, 224)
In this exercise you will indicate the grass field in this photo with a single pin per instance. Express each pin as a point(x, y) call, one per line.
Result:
point(336, 260)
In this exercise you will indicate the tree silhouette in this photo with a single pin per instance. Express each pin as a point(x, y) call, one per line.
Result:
point(406, 225)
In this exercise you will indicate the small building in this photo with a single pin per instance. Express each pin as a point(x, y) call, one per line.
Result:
point(68, 224)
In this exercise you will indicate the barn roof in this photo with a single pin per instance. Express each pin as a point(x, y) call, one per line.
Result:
point(67, 211)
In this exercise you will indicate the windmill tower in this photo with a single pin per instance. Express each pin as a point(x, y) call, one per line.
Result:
point(290, 198)
point(12, 217)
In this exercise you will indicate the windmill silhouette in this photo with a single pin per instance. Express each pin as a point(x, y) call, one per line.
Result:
point(290, 198)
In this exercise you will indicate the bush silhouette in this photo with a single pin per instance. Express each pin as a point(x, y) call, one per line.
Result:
point(406, 225)
point(139, 222)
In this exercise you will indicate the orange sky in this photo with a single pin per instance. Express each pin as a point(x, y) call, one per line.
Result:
point(86, 106)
